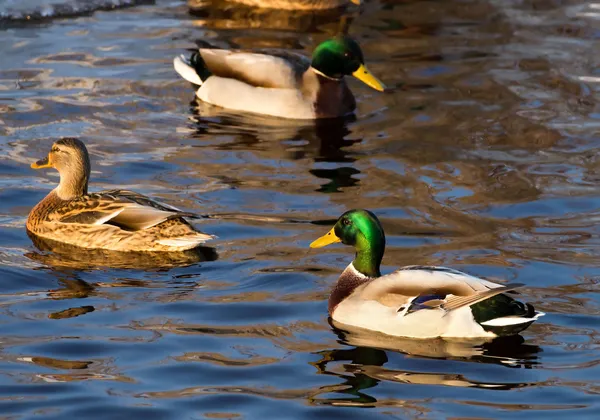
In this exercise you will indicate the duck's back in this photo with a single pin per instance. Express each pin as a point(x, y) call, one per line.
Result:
point(271, 69)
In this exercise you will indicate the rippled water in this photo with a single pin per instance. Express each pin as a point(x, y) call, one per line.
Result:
point(482, 156)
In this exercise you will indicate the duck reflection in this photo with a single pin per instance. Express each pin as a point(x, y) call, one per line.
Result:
point(219, 14)
point(71, 288)
point(323, 141)
point(56, 254)
point(508, 351)
point(75, 370)
point(72, 312)
point(51, 362)
point(362, 366)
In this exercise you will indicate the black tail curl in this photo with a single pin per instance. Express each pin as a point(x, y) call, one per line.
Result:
point(198, 63)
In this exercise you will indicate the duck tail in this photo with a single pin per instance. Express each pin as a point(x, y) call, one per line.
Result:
point(511, 316)
point(508, 325)
point(183, 243)
point(192, 69)
point(495, 311)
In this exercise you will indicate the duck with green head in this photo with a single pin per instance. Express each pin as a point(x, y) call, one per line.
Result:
point(283, 85)
point(415, 301)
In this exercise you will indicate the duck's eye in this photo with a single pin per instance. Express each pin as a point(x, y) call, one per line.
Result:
point(346, 222)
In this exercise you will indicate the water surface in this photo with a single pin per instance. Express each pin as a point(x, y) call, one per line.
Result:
point(482, 156)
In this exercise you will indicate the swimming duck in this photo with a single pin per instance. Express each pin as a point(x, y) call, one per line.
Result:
point(297, 4)
point(117, 220)
point(281, 86)
point(415, 301)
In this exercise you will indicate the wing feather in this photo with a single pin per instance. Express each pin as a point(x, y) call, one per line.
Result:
point(456, 302)
point(138, 217)
point(420, 280)
point(93, 217)
point(126, 209)
point(261, 70)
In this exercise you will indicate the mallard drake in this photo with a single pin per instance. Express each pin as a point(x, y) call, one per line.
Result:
point(117, 220)
point(415, 301)
point(281, 86)
point(297, 4)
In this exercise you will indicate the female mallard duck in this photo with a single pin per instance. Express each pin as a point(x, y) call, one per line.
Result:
point(415, 301)
point(296, 4)
point(287, 87)
point(116, 220)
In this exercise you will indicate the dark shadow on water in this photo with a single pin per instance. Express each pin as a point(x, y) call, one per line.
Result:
point(363, 364)
point(323, 141)
point(511, 351)
point(56, 254)
point(339, 178)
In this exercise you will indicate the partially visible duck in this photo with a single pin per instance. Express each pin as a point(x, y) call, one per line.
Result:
point(282, 86)
point(297, 4)
point(416, 301)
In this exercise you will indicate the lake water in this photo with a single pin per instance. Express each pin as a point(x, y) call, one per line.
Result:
point(482, 156)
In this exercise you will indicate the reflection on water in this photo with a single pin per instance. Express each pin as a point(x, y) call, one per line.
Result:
point(481, 156)
point(509, 351)
point(272, 138)
point(363, 368)
point(57, 254)
point(220, 14)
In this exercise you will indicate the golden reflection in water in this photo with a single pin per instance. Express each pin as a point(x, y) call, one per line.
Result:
point(56, 254)
point(221, 360)
point(83, 370)
point(218, 14)
point(73, 289)
point(72, 312)
point(57, 363)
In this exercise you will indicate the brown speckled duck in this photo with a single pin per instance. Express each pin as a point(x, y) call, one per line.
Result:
point(117, 220)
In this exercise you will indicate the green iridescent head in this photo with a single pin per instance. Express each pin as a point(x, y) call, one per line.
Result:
point(362, 230)
point(341, 56)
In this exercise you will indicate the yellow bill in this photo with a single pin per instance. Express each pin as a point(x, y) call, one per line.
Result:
point(42, 163)
point(327, 239)
point(355, 1)
point(364, 75)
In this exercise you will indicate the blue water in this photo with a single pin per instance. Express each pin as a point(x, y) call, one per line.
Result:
point(482, 156)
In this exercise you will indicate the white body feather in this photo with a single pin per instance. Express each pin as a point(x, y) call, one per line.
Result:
point(362, 308)
point(239, 96)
